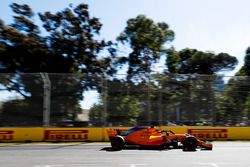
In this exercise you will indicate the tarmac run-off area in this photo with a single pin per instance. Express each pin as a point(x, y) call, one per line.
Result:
point(224, 154)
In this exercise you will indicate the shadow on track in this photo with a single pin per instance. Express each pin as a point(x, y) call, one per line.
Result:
point(110, 149)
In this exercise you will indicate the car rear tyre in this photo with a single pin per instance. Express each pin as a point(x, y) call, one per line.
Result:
point(117, 143)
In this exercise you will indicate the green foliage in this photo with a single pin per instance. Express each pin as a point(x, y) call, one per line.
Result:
point(20, 112)
point(245, 69)
point(228, 111)
point(238, 92)
point(123, 110)
point(96, 115)
point(246, 111)
point(192, 61)
point(146, 39)
point(70, 44)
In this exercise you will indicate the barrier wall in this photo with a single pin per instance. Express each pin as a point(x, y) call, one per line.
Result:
point(99, 134)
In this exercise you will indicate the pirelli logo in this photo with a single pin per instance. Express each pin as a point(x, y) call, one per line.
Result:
point(66, 135)
point(6, 135)
point(209, 133)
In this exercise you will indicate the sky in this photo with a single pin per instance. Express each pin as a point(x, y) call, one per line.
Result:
point(206, 25)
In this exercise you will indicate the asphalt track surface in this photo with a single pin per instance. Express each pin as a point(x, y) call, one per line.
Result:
point(224, 154)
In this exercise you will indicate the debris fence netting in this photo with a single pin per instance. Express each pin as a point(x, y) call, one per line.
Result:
point(74, 100)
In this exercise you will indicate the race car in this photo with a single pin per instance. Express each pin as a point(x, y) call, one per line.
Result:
point(153, 138)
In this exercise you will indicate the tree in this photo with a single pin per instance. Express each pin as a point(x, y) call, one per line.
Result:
point(201, 68)
point(237, 92)
point(70, 44)
point(123, 110)
point(95, 115)
point(192, 61)
point(124, 102)
point(245, 69)
point(229, 107)
point(245, 90)
point(146, 40)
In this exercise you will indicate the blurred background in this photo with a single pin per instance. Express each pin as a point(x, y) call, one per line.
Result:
point(54, 100)
point(164, 63)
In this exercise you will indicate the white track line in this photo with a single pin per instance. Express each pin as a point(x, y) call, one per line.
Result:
point(133, 165)
point(214, 165)
point(48, 165)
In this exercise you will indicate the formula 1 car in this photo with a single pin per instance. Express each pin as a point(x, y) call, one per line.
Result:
point(153, 138)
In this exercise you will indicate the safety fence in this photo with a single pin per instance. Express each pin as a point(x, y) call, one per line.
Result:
point(100, 135)
point(74, 100)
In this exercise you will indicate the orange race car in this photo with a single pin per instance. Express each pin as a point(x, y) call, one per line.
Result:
point(153, 138)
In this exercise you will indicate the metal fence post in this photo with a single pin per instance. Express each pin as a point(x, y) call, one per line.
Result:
point(149, 117)
point(104, 96)
point(46, 99)
point(160, 114)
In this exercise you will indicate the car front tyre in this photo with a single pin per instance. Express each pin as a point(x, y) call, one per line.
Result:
point(117, 143)
point(190, 144)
